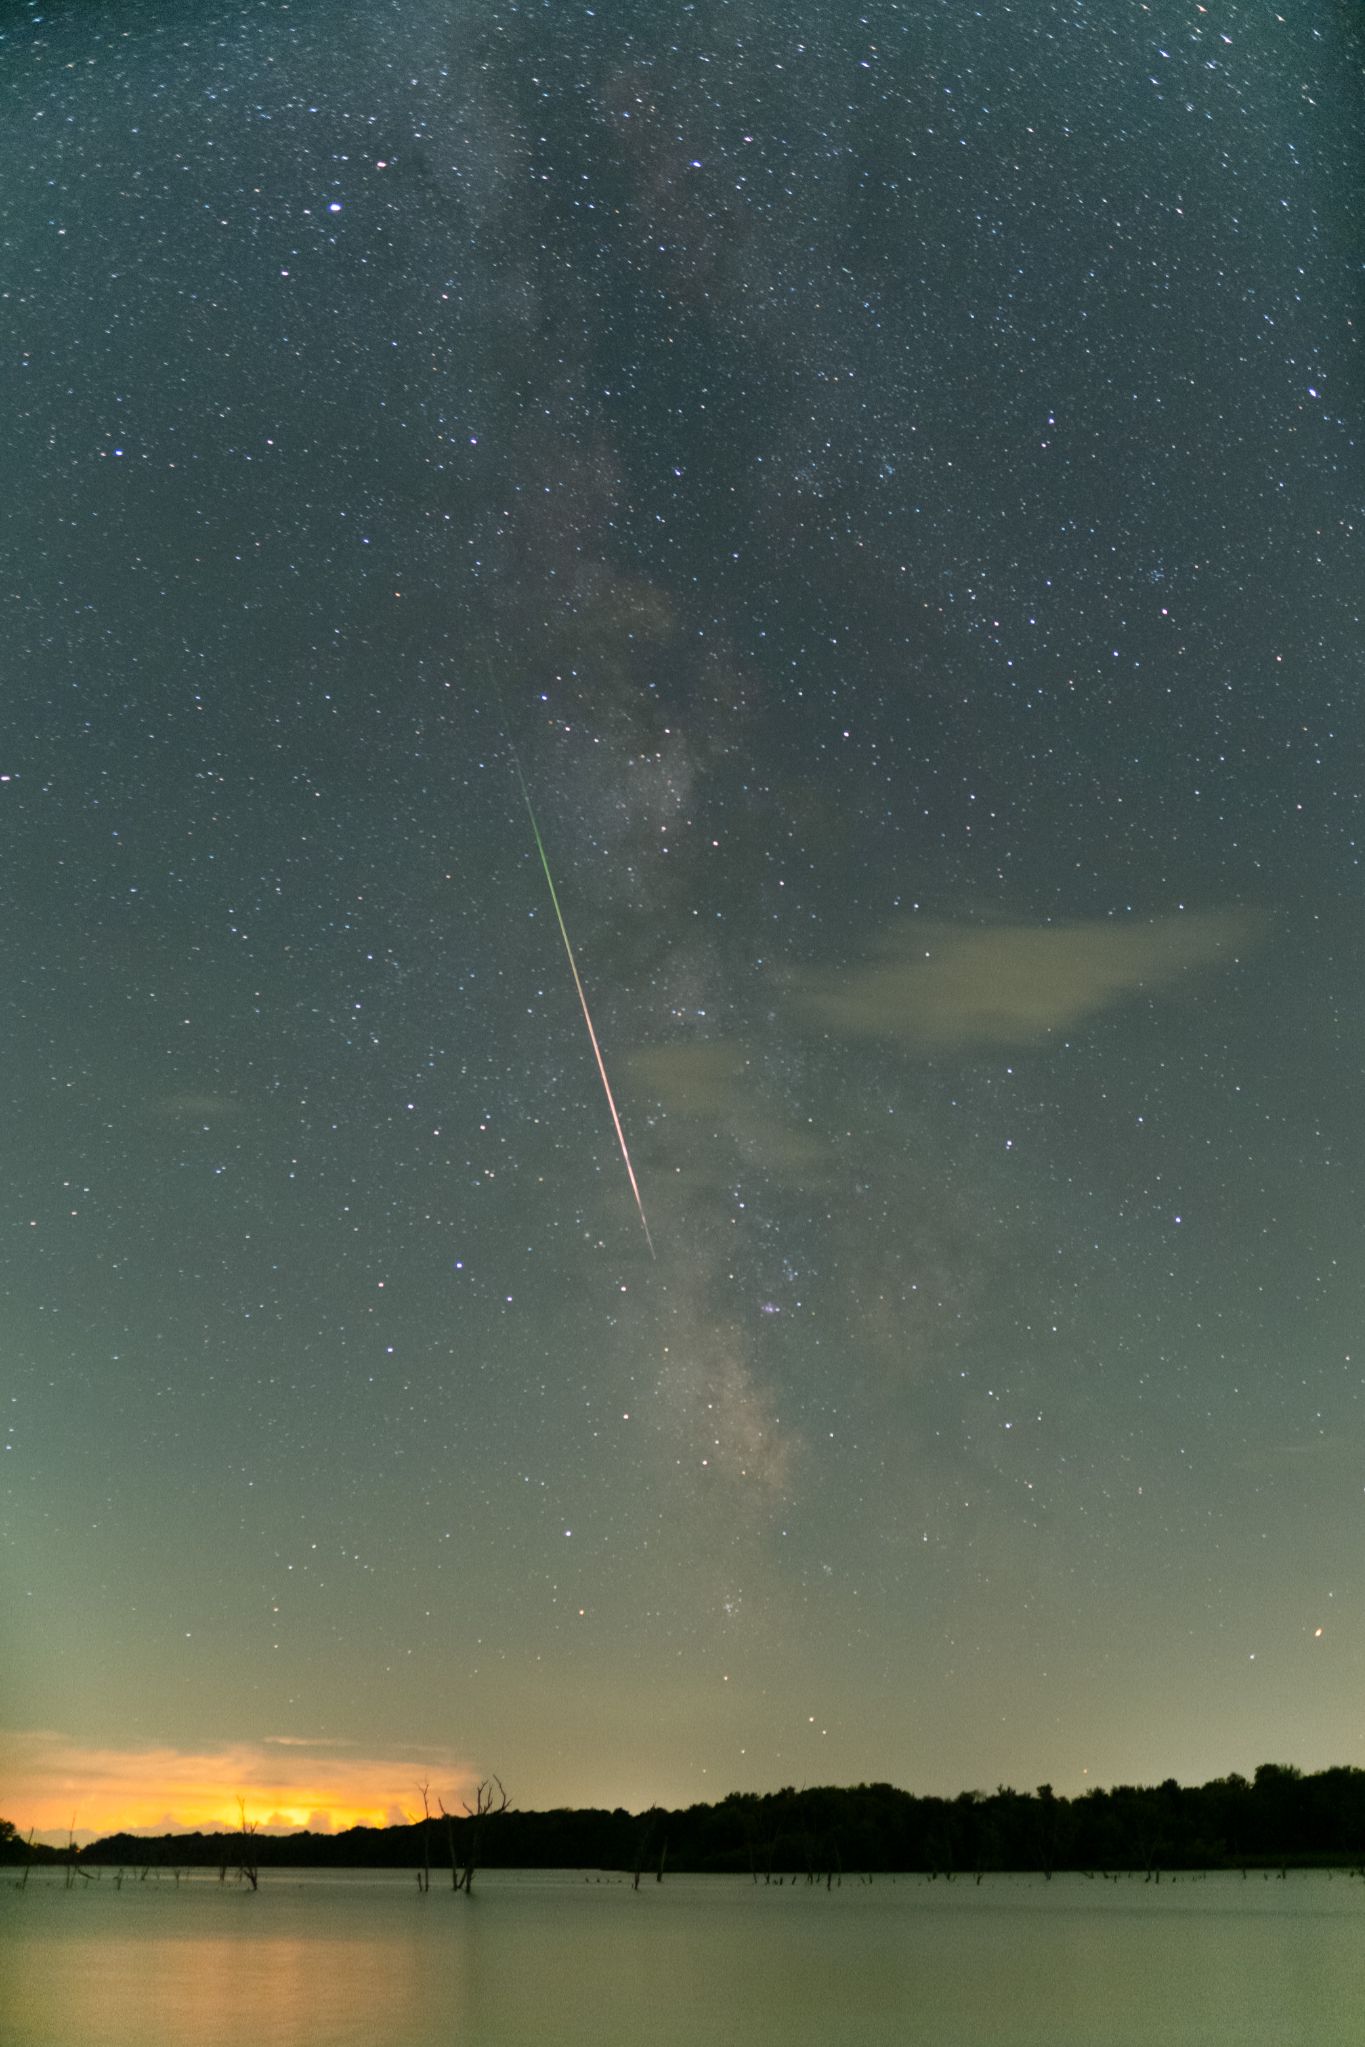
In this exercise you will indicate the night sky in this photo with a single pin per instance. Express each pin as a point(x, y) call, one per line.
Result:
point(888, 479)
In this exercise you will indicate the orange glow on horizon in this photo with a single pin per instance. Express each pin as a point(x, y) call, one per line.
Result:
point(204, 1811)
point(286, 1785)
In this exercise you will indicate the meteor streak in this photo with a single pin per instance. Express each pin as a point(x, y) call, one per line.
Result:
point(583, 1000)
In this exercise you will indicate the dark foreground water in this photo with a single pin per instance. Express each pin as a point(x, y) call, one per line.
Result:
point(362, 1960)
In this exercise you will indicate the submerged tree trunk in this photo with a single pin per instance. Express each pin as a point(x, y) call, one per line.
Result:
point(489, 1798)
point(247, 1864)
point(645, 1845)
point(450, 1843)
point(424, 1874)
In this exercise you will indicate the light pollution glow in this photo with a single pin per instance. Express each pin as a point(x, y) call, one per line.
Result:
point(54, 1785)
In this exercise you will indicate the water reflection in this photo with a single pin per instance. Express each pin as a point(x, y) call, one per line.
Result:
point(359, 1960)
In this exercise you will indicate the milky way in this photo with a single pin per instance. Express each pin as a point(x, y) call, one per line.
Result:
point(892, 479)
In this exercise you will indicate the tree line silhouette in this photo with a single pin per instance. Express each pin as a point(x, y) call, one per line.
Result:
point(1278, 1817)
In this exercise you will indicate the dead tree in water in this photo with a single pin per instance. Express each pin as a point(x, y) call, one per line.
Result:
point(489, 1798)
point(424, 1874)
point(73, 1868)
point(449, 1819)
point(646, 1846)
point(247, 1864)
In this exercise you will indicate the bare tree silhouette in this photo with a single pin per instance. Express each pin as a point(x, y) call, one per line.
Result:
point(424, 1874)
point(247, 1864)
point(489, 1798)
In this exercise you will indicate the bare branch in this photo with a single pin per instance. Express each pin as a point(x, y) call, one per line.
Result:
point(247, 1863)
point(489, 1797)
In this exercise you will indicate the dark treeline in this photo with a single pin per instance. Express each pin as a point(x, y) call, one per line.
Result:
point(1279, 1817)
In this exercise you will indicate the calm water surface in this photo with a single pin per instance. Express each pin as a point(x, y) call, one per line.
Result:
point(362, 1960)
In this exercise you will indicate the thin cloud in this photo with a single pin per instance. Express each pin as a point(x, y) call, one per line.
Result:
point(941, 986)
point(694, 1080)
point(720, 1085)
point(308, 1741)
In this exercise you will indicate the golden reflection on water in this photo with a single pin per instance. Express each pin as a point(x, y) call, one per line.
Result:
point(364, 1961)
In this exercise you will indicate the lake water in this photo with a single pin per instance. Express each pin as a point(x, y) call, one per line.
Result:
point(362, 1959)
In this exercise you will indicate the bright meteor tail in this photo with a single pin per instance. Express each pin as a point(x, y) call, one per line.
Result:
point(583, 1002)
